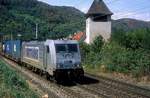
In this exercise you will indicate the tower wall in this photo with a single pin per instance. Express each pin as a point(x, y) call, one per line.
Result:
point(96, 28)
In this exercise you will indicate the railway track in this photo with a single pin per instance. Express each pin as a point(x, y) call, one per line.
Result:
point(90, 87)
point(110, 88)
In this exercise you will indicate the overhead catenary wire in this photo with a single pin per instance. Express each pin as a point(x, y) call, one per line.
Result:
point(136, 10)
point(130, 12)
point(112, 1)
point(136, 16)
point(133, 13)
point(126, 12)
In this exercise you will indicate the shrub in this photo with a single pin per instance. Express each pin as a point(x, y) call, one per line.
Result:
point(119, 59)
point(97, 44)
point(84, 49)
point(133, 39)
point(118, 36)
point(92, 60)
point(114, 57)
point(91, 54)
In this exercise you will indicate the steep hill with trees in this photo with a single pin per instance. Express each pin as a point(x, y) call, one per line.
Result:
point(128, 24)
point(21, 16)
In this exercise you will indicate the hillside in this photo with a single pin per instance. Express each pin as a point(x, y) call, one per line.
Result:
point(21, 16)
point(127, 24)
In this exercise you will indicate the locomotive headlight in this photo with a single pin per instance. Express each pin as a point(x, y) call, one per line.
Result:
point(59, 66)
point(77, 65)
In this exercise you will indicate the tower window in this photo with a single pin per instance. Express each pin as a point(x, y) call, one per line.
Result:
point(101, 18)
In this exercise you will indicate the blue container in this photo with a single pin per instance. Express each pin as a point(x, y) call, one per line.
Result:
point(13, 49)
point(8, 48)
point(16, 49)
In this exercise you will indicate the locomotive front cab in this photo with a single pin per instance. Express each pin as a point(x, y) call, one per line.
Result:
point(68, 59)
point(67, 56)
point(63, 58)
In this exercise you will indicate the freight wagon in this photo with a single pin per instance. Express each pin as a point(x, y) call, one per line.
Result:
point(33, 54)
point(12, 49)
point(1, 47)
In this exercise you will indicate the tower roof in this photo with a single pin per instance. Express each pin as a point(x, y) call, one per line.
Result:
point(98, 8)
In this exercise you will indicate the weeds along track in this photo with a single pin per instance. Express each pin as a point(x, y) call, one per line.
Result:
point(31, 78)
point(115, 89)
point(49, 87)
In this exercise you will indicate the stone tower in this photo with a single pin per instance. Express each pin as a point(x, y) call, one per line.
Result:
point(98, 21)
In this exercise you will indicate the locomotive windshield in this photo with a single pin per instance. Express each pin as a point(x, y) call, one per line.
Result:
point(72, 48)
point(60, 48)
point(66, 48)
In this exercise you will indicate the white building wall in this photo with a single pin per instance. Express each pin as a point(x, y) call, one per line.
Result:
point(94, 29)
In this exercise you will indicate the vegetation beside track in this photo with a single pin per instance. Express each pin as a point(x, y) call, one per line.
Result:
point(127, 52)
point(12, 85)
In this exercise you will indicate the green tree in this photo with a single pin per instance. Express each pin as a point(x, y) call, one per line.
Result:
point(97, 44)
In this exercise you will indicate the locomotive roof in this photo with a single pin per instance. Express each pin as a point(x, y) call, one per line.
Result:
point(63, 41)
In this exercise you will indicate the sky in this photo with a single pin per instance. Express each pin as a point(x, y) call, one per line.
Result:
point(137, 9)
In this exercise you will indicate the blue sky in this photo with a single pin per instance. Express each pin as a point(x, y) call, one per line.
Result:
point(138, 9)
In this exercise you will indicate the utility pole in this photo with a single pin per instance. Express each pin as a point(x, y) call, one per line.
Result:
point(36, 30)
point(11, 36)
point(19, 35)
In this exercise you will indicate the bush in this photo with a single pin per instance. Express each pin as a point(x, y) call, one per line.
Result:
point(91, 54)
point(118, 36)
point(97, 44)
point(119, 59)
point(84, 49)
point(114, 57)
point(134, 39)
point(92, 60)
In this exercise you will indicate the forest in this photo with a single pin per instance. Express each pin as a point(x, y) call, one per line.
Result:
point(19, 17)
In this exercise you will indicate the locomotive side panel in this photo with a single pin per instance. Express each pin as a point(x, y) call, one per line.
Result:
point(33, 53)
point(50, 57)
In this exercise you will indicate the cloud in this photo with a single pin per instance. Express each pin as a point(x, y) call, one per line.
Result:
point(84, 9)
point(141, 16)
point(119, 15)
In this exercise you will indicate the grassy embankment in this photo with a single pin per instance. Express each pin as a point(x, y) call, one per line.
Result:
point(12, 85)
